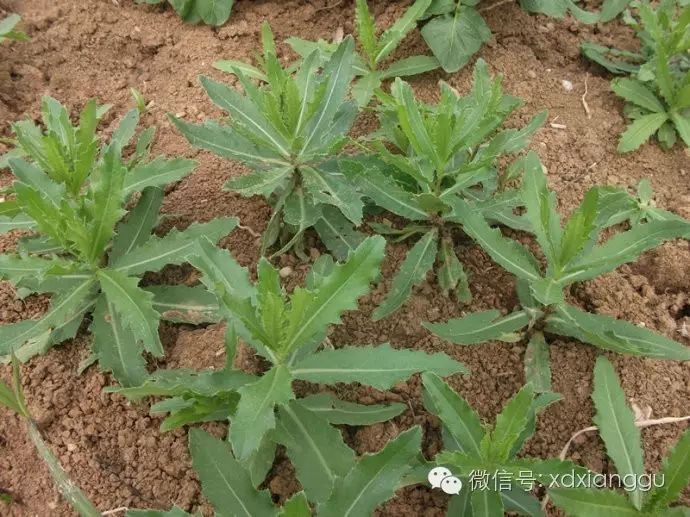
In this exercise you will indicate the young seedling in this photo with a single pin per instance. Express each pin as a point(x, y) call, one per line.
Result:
point(375, 50)
point(455, 30)
point(440, 152)
point(572, 255)
point(658, 88)
point(287, 131)
point(210, 12)
point(92, 241)
point(616, 423)
point(13, 399)
point(484, 459)
point(7, 30)
point(288, 332)
point(360, 484)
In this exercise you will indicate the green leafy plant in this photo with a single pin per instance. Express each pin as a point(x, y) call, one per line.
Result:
point(7, 29)
point(288, 332)
point(91, 239)
point(429, 155)
point(227, 483)
point(485, 458)
point(616, 423)
point(288, 130)
point(375, 50)
point(455, 30)
point(13, 399)
point(210, 12)
point(572, 255)
point(658, 88)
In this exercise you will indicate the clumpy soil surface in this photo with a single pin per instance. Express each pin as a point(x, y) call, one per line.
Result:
point(113, 449)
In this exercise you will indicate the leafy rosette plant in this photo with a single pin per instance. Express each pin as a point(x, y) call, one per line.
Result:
point(227, 483)
point(209, 12)
point(657, 90)
point(287, 130)
point(431, 155)
point(616, 423)
point(572, 255)
point(7, 29)
point(375, 50)
point(288, 332)
point(484, 459)
point(91, 239)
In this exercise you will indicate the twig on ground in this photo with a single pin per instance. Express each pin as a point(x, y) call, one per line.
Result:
point(115, 510)
point(249, 231)
point(584, 99)
point(494, 6)
point(328, 7)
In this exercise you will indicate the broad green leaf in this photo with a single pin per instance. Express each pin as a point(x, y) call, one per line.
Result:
point(378, 366)
point(676, 474)
point(507, 253)
point(510, 423)
point(315, 448)
point(337, 411)
point(451, 274)
point(224, 482)
point(374, 478)
point(336, 232)
point(255, 412)
point(637, 93)
point(640, 130)
point(18, 222)
point(538, 363)
point(612, 334)
point(479, 327)
point(589, 502)
point(296, 506)
point(457, 416)
point(157, 173)
point(311, 313)
point(682, 125)
point(214, 12)
point(417, 263)
point(333, 189)
point(616, 423)
point(140, 223)
point(134, 306)
point(174, 248)
point(115, 345)
point(261, 460)
point(521, 502)
point(174, 512)
point(454, 39)
point(231, 65)
point(182, 304)
point(486, 503)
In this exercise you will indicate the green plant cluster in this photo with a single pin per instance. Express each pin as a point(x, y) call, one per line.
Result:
point(209, 12)
point(448, 173)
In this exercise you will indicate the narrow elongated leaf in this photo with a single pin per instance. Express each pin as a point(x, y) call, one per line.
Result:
point(682, 124)
point(174, 248)
point(336, 232)
point(510, 423)
point(115, 345)
point(259, 183)
point(366, 30)
point(315, 448)
point(16, 268)
point(157, 173)
point(418, 262)
point(380, 366)
point(182, 304)
point(479, 327)
point(640, 130)
point(589, 502)
point(612, 334)
point(412, 65)
point(392, 36)
point(224, 482)
point(486, 503)
point(134, 305)
point(451, 274)
point(374, 478)
point(139, 225)
point(538, 363)
point(337, 411)
point(231, 65)
point(458, 417)
point(676, 474)
point(255, 412)
point(616, 424)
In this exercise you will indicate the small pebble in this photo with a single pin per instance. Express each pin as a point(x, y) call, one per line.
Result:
point(532, 74)
point(285, 272)
point(567, 85)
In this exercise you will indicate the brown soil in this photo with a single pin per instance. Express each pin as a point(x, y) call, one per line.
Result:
point(113, 449)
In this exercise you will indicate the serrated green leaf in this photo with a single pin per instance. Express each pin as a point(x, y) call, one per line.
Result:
point(451, 274)
point(261, 460)
point(336, 232)
point(392, 36)
point(255, 411)
point(259, 183)
point(682, 125)
point(139, 225)
point(333, 189)
point(377, 366)
point(589, 502)
point(174, 248)
point(230, 65)
point(640, 130)
point(115, 345)
point(337, 411)
point(675, 472)
point(612, 334)
point(417, 263)
point(510, 423)
point(479, 327)
point(581, 228)
point(458, 418)
point(182, 304)
point(538, 363)
point(16, 268)
point(366, 30)
point(413, 65)
point(224, 482)
point(616, 424)
point(157, 173)
point(637, 93)
point(374, 478)
point(315, 448)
